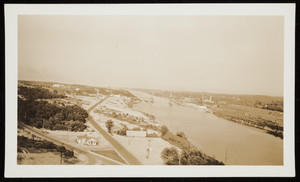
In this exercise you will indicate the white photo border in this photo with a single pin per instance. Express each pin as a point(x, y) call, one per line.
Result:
point(11, 79)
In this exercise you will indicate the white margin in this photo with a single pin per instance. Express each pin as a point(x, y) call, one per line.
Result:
point(11, 73)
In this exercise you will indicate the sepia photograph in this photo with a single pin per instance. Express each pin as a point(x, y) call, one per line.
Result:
point(150, 89)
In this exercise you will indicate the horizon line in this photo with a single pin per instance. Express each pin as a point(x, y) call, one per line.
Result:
point(154, 89)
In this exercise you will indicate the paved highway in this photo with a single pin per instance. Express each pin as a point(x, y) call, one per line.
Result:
point(125, 154)
point(93, 159)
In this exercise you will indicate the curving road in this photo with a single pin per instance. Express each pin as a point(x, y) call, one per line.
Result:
point(91, 157)
point(125, 154)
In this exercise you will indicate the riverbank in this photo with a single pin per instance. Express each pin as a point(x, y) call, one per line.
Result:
point(147, 148)
point(117, 110)
point(224, 140)
point(267, 121)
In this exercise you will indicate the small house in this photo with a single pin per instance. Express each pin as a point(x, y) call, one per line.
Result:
point(86, 140)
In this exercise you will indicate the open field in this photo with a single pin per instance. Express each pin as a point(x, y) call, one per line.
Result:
point(267, 120)
point(48, 158)
point(138, 147)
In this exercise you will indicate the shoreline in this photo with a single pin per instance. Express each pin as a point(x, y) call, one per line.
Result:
point(270, 132)
point(204, 109)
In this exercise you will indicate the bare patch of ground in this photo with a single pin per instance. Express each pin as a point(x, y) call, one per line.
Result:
point(49, 158)
point(138, 147)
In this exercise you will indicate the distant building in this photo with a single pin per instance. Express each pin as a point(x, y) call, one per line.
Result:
point(86, 140)
point(58, 85)
point(153, 132)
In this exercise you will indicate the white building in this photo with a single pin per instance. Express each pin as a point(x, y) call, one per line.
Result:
point(86, 140)
point(57, 85)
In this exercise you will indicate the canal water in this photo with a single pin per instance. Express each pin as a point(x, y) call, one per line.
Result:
point(229, 142)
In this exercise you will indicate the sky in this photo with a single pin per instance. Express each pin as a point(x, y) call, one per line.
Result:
point(220, 54)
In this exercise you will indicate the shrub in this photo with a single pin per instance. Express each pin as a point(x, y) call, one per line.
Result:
point(170, 156)
point(109, 124)
point(196, 157)
point(182, 135)
point(122, 131)
point(177, 141)
point(60, 127)
point(69, 153)
point(191, 157)
point(164, 130)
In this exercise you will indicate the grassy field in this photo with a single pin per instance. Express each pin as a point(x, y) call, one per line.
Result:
point(267, 120)
point(33, 150)
point(48, 158)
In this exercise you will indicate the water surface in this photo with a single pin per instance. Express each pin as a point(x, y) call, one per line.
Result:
point(230, 142)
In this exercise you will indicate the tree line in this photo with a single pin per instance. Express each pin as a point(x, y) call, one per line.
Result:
point(36, 146)
point(189, 155)
point(38, 93)
point(42, 114)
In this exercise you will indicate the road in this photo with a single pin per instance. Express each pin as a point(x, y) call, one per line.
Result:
point(91, 157)
point(125, 154)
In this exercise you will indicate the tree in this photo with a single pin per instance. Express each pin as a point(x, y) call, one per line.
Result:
point(33, 136)
point(164, 130)
point(170, 156)
point(192, 157)
point(58, 117)
point(182, 135)
point(62, 150)
point(109, 124)
point(122, 131)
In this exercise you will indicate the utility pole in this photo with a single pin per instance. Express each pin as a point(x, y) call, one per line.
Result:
point(61, 153)
point(148, 149)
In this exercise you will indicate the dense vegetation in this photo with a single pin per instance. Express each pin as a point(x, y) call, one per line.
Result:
point(39, 113)
point(274, 106)
point(171, 156)
point(83, 89)
point(36, 146)
point(43, 114)
point(38, 93)
point(178, 140)
point(269, 121)
point(190, 155)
